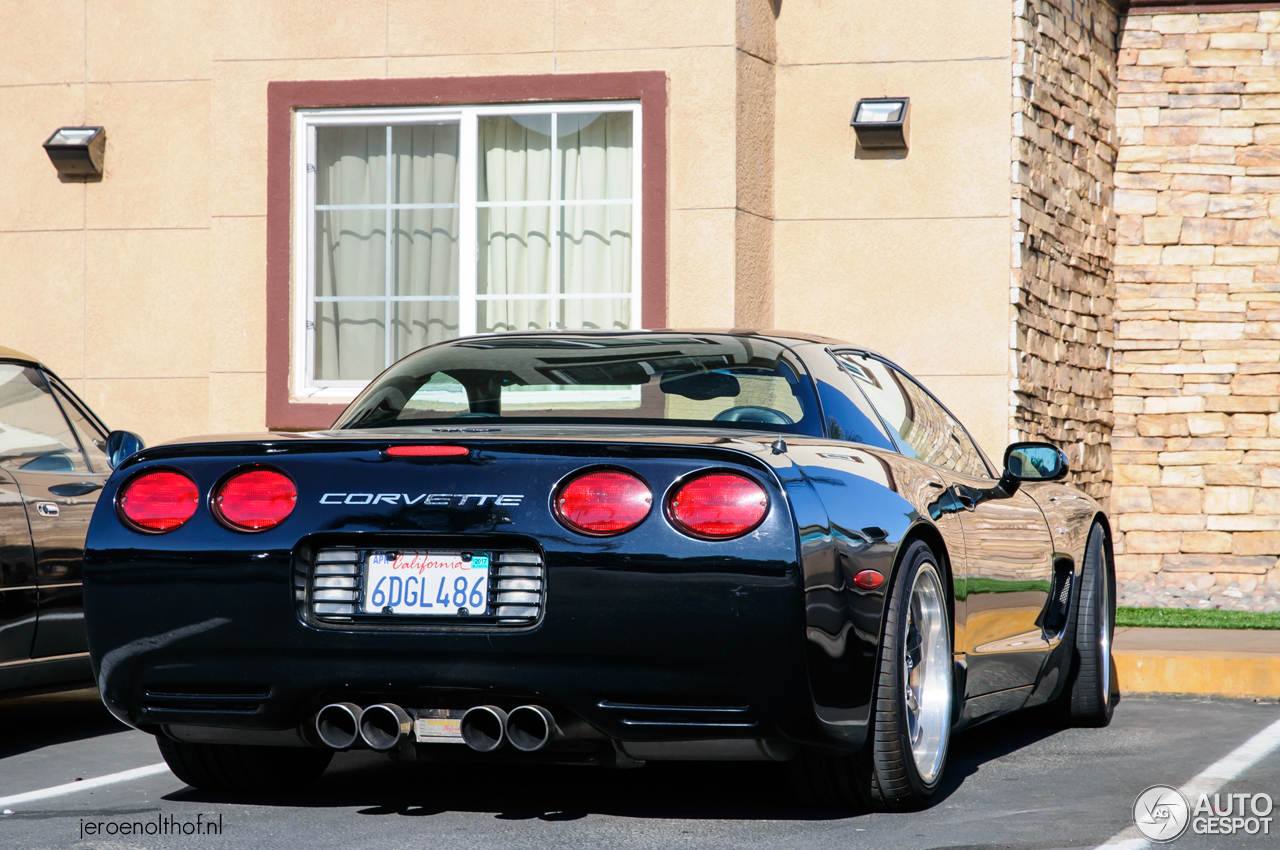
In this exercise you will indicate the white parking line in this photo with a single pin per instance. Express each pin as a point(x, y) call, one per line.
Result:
point(1209, 780)
point(84, 785)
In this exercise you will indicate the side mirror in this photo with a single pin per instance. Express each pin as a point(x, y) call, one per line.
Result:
point(121, 444)
point(1032, 462)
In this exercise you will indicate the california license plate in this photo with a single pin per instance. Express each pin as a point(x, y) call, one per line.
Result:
point(452, 584)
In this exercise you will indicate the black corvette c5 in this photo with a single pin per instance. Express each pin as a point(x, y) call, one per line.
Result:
point(605, 548)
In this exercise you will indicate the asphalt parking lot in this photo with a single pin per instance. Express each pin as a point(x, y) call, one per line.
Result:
point(1013, 783)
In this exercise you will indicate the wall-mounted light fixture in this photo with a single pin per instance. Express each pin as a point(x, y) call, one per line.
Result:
point(882, 122)
point(77, 151)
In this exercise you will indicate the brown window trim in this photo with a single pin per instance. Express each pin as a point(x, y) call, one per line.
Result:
point(1215, 7)
point(648, 87)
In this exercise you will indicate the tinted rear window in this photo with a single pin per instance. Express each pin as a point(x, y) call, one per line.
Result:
point(711, 380)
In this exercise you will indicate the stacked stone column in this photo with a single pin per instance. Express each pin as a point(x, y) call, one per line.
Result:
point(1064, 155)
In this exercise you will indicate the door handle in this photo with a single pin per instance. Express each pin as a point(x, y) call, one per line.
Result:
point(76, 488)
point(46, 509)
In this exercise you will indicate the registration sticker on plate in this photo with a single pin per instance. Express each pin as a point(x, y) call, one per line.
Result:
point(454, 584)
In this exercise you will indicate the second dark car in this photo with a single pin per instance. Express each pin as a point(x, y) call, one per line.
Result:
point(54, 458)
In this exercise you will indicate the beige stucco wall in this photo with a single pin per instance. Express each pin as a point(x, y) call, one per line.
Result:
point(907, 255)
point(108, 281)
point(147, 290)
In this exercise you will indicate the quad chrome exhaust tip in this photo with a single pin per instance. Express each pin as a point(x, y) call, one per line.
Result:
point(383, 727)
point(484, 728)
point(531, 727)
point(338, 725)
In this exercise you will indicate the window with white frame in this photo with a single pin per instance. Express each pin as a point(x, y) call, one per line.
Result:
point(416, 225)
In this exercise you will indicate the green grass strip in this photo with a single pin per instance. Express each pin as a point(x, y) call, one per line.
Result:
point(1190, 618)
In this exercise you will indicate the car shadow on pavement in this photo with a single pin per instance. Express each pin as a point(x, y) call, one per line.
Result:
point(991, 741)
point(377, 787)
point(30, 723)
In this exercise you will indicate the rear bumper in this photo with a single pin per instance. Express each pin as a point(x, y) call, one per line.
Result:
point(640, 650)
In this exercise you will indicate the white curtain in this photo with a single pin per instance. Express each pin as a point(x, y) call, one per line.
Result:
point(591, 242)
point(515, 249)
point(595, 164)
point(425, 253)
point(353, 254)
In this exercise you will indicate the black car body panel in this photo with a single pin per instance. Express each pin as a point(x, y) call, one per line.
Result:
point(651, 635)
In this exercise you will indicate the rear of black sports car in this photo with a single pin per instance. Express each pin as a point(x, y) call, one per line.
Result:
point(213, 620)
point(588, 548)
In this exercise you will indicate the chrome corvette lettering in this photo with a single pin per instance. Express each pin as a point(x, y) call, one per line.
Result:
point(439, 500)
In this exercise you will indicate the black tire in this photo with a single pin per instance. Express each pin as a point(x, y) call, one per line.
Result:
point(884, 776)
point(1092, 694)
point(244, 769)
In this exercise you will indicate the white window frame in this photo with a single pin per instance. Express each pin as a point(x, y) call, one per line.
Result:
point(302, 336)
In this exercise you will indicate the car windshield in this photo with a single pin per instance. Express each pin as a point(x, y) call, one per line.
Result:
point(692, 380)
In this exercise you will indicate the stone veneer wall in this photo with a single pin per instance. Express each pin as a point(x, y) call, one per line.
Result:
point(1064, 64)
point(1197, 267)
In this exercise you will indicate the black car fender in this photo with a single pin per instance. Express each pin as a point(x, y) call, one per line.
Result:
point(850, 519)
point(1071, 516)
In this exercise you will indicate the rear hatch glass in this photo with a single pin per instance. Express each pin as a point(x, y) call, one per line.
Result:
point(691, 380)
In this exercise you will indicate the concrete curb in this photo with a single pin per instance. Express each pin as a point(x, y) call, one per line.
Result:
point(1208, 662)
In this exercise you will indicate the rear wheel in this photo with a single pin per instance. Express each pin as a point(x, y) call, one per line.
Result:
point(903, 762)
point(244, 769)
point(914, 697)
point(1092, 694)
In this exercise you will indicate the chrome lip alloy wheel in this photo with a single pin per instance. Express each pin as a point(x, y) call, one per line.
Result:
point(1104, 635)
point(926, 665)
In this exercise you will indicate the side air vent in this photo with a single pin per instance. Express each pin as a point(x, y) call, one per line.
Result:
point(689, 716)
point(329, 589)
point(1054, 617)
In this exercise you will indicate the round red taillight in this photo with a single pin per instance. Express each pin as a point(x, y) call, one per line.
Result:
point(255, 500)
point(603, 502)
point(720, 505)
point(158, 501)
